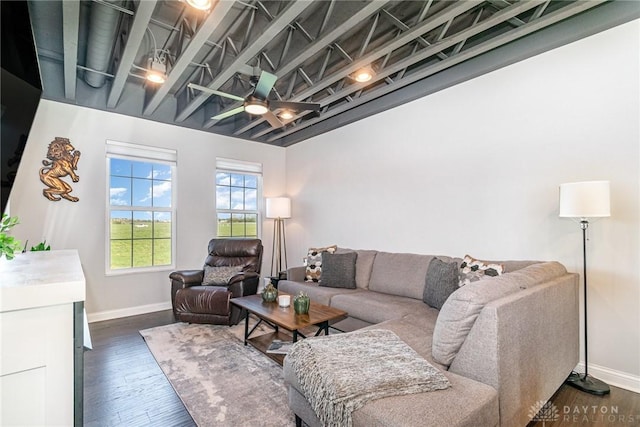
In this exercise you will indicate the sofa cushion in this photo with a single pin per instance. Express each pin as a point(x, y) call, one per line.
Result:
point(339, 270)
point(400, 274)
point(376, 307)
point(314, 262)
point(465, 403)
point(364, 264)
point(460, 311)
point(317, 293)
point(219, 276)
point(472, 270)
point(442, 281)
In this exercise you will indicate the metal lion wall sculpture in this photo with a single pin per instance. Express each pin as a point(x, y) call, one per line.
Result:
point(63, 161)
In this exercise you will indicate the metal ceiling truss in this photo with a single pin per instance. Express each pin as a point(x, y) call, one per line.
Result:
point(312, 47)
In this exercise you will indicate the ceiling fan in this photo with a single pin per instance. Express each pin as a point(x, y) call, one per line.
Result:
point(257, 103)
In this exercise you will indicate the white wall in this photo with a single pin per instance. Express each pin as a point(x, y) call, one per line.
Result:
point(82, 225)
point(475, 169)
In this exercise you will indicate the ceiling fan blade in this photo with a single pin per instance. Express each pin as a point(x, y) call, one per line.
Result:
point(214, 92)
point(264, 85)
point(296, 106)
point(273, 119)
point(228, 113)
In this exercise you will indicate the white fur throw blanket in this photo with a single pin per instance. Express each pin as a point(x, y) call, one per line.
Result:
point(341, 373)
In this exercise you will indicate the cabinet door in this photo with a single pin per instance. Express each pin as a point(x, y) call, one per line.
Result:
point(36, 366)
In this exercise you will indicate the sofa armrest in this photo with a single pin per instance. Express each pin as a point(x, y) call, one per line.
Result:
point(529, 342)
point(296, 274)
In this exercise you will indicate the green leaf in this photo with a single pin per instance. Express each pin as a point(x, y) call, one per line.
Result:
point(8, 244)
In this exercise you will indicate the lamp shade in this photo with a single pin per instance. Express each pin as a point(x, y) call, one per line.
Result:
point(278, 207)
point(585, 199)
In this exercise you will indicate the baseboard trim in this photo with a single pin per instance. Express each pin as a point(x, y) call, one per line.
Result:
point(612, 377)
point(126, 312)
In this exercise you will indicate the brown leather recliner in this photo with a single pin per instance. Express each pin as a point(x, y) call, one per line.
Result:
point(195, 303)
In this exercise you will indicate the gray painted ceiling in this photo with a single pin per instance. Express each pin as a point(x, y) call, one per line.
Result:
point(95, 53)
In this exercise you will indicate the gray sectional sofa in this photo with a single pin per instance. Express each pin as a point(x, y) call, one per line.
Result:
point(505, 343)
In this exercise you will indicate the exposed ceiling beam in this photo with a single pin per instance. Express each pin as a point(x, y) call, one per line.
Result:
point(493, 43)
point(213, 21)
point(138, 28)
point(280, 22)
point(70, 29)
point(441, 18)
point(320, 44)
point(415, 57)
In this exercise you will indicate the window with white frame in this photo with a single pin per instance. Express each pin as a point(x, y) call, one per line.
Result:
point(141, 207)
point(238, 191)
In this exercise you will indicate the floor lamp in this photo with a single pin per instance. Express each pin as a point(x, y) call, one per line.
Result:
point(278, 208)
point(585, 200)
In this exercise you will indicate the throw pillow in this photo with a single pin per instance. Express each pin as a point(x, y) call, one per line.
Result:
point(441, 281)
point(314, 262)
point(472, 270)
point(339, 270)
point(219, 276)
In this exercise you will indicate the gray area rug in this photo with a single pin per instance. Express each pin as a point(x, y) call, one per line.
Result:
point(220, 381)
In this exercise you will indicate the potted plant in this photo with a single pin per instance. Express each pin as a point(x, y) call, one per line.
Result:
point(42, 246)
point(9, 246)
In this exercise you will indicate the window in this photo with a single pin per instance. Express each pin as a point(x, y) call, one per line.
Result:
point(238, 190)
point(141, 208)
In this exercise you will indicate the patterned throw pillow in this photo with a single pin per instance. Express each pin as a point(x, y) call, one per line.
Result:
point(314, 262)
point(219, 276)
point(472, 270)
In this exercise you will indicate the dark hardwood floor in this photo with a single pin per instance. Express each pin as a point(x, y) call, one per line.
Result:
point(575, 408)
point(124, 386)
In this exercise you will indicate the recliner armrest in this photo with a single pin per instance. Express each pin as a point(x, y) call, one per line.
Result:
point(242, 276)
point(188, 277)
point(242, 284)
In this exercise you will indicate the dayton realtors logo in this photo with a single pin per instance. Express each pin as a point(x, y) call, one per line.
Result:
point(596, 414)
point(579, 414)
point(544, 411)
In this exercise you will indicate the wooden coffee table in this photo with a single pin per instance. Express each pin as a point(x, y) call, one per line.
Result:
point(283, 317)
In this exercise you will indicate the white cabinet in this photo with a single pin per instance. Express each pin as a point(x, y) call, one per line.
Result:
point(41, 294)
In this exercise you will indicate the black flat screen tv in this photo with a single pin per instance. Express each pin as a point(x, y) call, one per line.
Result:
point(21, 90)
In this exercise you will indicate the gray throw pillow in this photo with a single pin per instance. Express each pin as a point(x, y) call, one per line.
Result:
point(339, 270)
point(219, 276)
point(441, 281)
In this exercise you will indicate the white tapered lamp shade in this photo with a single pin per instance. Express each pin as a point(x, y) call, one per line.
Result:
point(278, 207)
point(590, 199)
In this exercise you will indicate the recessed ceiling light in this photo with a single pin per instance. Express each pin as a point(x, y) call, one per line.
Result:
point(200, 4)
point(286, 114)
point(363, 75)
point(156, 70)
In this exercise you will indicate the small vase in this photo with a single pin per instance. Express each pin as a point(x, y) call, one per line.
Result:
point(301, 304)
point(270, 293)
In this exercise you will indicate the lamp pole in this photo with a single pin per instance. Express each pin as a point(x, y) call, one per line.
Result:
point(279, 242)
point(584, 200)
